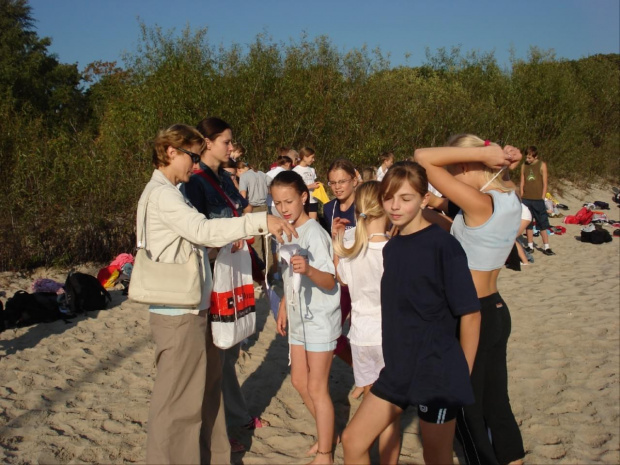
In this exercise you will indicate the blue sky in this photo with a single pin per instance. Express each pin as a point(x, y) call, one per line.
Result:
point(83, 31)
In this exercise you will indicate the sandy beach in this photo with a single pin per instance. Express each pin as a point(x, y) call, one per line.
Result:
point(78, 391)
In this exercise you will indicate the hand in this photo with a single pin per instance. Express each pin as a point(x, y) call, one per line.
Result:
point(237, 245)
point(282, 318)
point(338, 226)
point(280, 227)
point(495, 157)
point(300, 264)
point(514, 155)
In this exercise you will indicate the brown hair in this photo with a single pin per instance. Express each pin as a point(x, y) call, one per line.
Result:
point(305, 152)
point(403, 171)
point(385, 156)
point(294, 180)
point(212, 127)
point(238, 147)
point(177, 135)
point(344, 165)
point(283, 160)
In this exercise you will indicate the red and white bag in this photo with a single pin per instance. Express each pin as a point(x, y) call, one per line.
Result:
point(233, 312)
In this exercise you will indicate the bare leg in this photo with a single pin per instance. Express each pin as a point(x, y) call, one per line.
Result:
point(319, 364)
point(389, 443)
point(357, 392)
point(437, 441)
point(521, 253)
point(530, 236)
point(544, 236)
point(371, 419)
point(299, 376)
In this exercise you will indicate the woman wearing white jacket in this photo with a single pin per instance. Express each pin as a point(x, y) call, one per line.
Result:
point(186, 418)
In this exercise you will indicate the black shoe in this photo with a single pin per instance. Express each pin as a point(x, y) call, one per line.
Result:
point(529, 249)
point(548, 252)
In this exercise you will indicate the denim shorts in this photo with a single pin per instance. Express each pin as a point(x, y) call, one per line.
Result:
point(315, 347)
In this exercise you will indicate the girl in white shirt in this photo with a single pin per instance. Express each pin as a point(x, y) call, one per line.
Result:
point(308, 174)
point(360, 267)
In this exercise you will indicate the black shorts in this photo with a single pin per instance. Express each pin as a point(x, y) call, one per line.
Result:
point(539, 213)
point(313, 207)
point(429, 414)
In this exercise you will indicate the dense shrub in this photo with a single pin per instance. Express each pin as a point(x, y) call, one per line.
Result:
point(72, 179)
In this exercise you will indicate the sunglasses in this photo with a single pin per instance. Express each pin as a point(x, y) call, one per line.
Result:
point(194, 156)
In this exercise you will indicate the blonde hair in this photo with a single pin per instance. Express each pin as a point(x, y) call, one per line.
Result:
point(367, 208)
point(177, 135)
point(470, 141)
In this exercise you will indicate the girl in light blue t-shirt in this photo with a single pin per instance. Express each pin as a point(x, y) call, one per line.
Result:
point(312, 303)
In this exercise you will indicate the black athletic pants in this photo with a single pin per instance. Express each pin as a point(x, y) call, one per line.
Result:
point(490, 383)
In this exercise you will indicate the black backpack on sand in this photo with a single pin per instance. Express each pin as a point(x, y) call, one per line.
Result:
point(24, 309)
point(84, 293)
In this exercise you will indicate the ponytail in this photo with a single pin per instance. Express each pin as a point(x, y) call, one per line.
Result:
point(367, 208)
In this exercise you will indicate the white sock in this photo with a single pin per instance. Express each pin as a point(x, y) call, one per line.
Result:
point(546, 246)
point(530, 245)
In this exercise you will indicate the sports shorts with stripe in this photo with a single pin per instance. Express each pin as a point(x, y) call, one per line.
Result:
point(437, 415)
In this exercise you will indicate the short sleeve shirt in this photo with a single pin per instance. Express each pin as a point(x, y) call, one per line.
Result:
point(426, 286)
point(255, 184)
point(332, 210)
point(315, 316)
point(309, 176)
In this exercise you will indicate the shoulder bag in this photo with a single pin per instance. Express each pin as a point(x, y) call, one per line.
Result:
point(168, 284)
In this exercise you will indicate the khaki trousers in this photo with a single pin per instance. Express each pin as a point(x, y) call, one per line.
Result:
point(186, 422)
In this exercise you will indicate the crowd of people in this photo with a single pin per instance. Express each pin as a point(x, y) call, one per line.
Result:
point(408, 253)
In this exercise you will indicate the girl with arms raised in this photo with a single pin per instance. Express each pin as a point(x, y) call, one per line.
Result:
point(486, 226)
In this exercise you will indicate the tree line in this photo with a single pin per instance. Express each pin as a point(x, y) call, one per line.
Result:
point(75, 145)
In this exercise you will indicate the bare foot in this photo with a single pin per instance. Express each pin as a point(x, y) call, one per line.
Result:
point(315, 447)
point(322, 458)
point(357, 392)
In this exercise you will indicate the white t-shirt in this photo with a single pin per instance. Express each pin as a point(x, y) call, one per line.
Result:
point(381, 173)
point(363, 276)
point(272, 173)
point(309, 176)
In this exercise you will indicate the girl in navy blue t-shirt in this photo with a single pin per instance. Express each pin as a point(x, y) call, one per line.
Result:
point(339, 215)
point(427, 297)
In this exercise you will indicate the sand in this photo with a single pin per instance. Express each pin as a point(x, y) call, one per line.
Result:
point(78, 391)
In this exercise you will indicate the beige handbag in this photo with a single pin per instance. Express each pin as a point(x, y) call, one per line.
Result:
point(169, 284)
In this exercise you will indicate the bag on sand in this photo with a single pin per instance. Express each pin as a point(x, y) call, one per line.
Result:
point(232, 313)
point(85, 293)
point(24, 309)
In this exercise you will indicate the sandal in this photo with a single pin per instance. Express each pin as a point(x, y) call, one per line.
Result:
point(236, 446)
point(256, 422)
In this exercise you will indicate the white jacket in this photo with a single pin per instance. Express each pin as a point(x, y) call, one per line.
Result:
point(172, 223)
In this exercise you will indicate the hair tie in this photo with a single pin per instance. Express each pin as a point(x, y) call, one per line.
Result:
point(487, 143)
point(363, 215)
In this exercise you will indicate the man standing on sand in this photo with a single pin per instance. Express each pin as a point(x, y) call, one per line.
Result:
point(533, 192)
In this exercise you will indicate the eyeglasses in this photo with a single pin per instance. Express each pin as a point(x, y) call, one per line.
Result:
point(340, 183)
point(194, 156)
